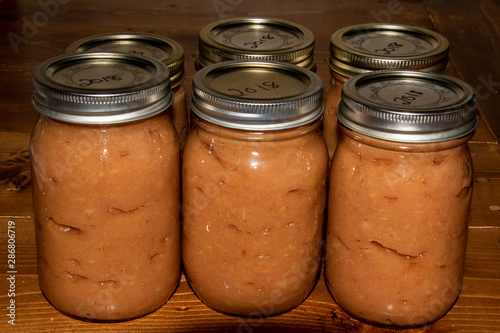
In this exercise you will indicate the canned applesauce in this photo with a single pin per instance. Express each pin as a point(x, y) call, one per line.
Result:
point(369, 47)
point(399, 196)
point(254, 187)
point(264, 39)
point(161, 48)
point(105, 172)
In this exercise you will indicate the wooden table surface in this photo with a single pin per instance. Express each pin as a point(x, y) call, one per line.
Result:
point(33, 31)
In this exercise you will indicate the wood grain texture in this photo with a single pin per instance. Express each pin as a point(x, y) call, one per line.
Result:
point(473, 29)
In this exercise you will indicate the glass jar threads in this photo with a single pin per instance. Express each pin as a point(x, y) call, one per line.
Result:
point(368, 47)
point(265, 39)
point(254, 187)
point(106, 187)
point(399, 196)
point(153, 46)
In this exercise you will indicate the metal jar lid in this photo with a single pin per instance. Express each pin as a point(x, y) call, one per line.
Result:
point(153, 46)
point(257, 95)
point(101, 88)
point(265, 39)
point(367, 47)
point(412, 107)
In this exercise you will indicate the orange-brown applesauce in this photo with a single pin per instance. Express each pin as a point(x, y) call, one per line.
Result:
point(179, 114)
point(331, 100)
point(106, 207)
point(253, 217)
point(398, 228)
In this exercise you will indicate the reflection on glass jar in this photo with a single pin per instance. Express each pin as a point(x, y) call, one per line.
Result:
point(105, 185)
point(254, 187)
point(369, 47)
point(399, 199)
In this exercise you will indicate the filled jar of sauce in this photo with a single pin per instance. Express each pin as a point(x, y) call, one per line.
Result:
point(370, 47)
point(399, 197)
point(163, 49)
point(106, 185)
point(254, 187)
point(264, 39)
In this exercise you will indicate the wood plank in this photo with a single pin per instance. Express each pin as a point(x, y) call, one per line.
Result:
point(15, 176)
point(485, 158)
point(473, 29)
point(185, 313)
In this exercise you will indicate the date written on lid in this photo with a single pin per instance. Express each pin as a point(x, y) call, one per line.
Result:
point(409, 94)
point(104, 76)
point(389, 44)
point(256, 39)
point(257, 89)
point(257, 95)
point(256, 84)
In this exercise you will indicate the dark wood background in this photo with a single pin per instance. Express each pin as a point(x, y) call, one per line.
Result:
point(33, 31)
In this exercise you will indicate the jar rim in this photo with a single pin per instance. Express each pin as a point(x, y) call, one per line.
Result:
point(362, 48)
point(101, 88)
point(408, 106)
point(291, 42)
point(257, 95)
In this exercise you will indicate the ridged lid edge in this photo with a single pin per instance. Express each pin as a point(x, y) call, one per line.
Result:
point(110, 106)
point(348, 61)
point(211, 51)
point(409, 124)
point(256, 114)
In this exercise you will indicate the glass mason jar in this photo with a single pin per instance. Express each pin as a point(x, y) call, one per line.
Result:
point(369, 47)
point(153, 46)
point(265, 39)
point(254, 187)
point(106, 188)
point(399, 197)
